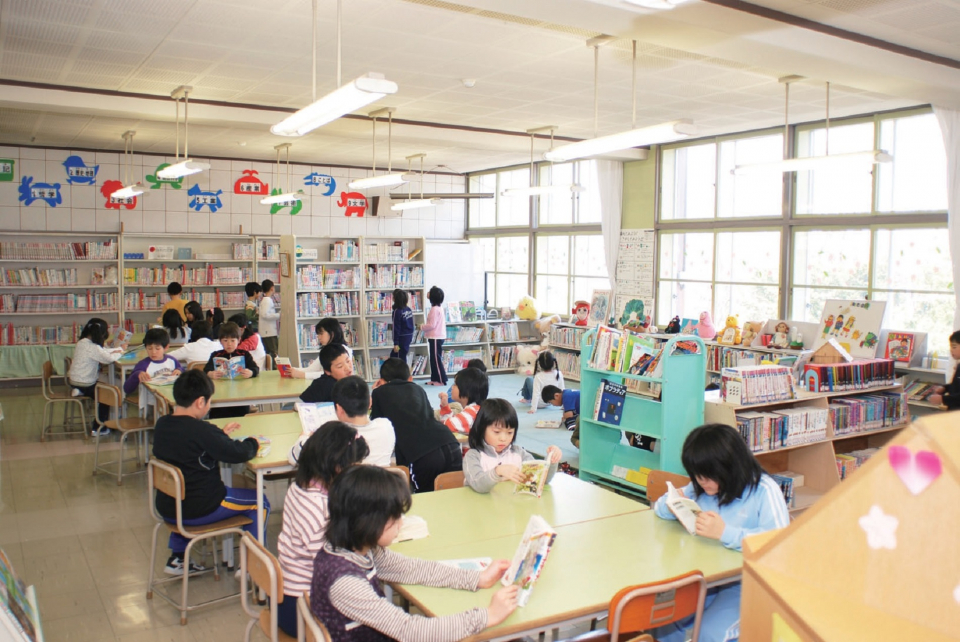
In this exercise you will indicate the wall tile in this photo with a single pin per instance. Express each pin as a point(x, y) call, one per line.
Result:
point(444, 229)
point(177, 199)
point(10, 152)
point(282, 223)
point(36, 168)
point(410, 227)
point(9, 217)
point(320, 226)
point(101, 158)
point(301, 225)
point(357, 226)
point(241, 204)
point(59, 219)
point(198, 223)
point(216, 164)
point(132, 220)
point(176, 222)
point(339, 226)
point(220, 223)
point(83, 196)
point(238, 220)
point(84, 220)
point(262, 224)
point(10, 196)
point(429, 229)
point(153, 200)
point(33, 217)
point(154, 223)
point(108, 220)
point(392, 227)
point(32, 153)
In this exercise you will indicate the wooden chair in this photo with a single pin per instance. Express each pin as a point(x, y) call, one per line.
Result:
point(112, 396)
point(268, 363)
point(449, 480)
point(196, 365)
point(657, 483)
point(647, 606)
point(259, 564)
point(57, 396)
point(309, 628)
point(404, 473)
point(168, 479)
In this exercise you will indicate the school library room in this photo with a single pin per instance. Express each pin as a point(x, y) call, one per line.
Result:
point(485, 320)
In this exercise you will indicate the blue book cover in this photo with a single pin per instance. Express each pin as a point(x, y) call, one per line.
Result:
point(611, 398)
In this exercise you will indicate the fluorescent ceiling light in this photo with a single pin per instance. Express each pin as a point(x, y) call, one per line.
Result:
point(129, 191)
point(657, 134)
point(383, 180)
point(540, 190)
point(299, 195)
point(862, 159)
point(181, 169)
point(656, 4)
point(413, 205)
point(350, 97)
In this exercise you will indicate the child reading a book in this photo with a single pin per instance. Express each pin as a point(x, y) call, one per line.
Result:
point(337, 364)
point(402, 324)
point(545, 373)
point(156, 363)
point(330, 450)
point(195, 447)
point(470, 388)
point(88, 355)
point(328, 331)
point(568, 399)
point(250, 339)
point(736, 499)
point(949, 396)
point(494, 456)
point(366, 504)
point(230, 363)
point(174, 325)
point(423, 444)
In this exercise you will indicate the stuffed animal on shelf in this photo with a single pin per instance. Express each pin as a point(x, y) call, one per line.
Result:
point(543, 326)
point(750, 331)
point(731, 332)
point(527, 309)
point(705, 328)
point(781, 336)
point(580, 313)
point(673, 327)
point(526, 360)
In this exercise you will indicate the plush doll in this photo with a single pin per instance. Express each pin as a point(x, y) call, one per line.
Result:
point(526, 359)
point(705, 328)
point(731, 332)
point(543, 326)
point(527, 309)
point(781, 336)
point(750, 331)
point(581, 312)
point(673, 327)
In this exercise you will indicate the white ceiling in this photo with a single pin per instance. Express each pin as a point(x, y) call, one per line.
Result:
point(708, 63)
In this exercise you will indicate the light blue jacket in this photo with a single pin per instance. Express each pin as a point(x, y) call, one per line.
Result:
point(758, 510)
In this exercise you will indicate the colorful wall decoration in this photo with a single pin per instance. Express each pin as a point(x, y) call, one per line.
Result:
point(30, 192)
point(316, 179)
point(156, 182)
point(249, 184)
point(79, 173)
point(6, 170)
point(109, 187)
point(203, 198)
point(354, 202)
point(295, 205)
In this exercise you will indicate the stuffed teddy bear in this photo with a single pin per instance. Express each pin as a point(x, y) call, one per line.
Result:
point(731, 332)
point(526, 359)
point(527, 309)
point(750, 331)
point(705, 328)
point(543, 326)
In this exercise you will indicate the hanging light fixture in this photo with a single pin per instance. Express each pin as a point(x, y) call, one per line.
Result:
point(358, 93)
point(289, 196)
point(863, 160)
point(410, 203)
point(130, 189)
point(539, 190)
point(656, 4)
point(186, 167)
point(655, 135)
point(390, 179)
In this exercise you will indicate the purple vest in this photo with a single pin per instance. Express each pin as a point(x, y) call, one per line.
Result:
point(327, 569)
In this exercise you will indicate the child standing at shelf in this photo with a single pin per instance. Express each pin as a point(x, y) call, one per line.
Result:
point(269, 319)
point(250, 340)
point(470, 389)
point(737, 499)
point(568, 399)
point(251, 309)
point(402, 325)
point(545, 373)
point(337, 364)
point(494, 456)
point(85, 367)
point(949, 396)
point(435, 332)
point(330, 450)
point(156, 363)
point(176, 302)
point(200, 346)
point(328, 331)
point(173, 323)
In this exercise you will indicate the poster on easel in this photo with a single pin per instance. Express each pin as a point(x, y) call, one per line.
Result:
point(635, 277)
point(855, 324)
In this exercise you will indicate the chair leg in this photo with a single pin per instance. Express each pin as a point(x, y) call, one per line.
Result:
point(216, 562)
point(45, 424)
point(96, 451)
point(123, 438)
point(186, 575)
point(153, 561)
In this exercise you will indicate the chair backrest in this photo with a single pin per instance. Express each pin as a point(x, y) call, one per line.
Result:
point(646, 606)
point(166, 478)
point(196, 365)
point(162, 407)
point(657, 483)
point(401, 471)
point(448, 480)
point(109, 395)
point(314, 630)
point(262, 567)
point(268, 362)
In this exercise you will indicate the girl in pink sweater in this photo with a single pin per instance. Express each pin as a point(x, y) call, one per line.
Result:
point(435, 331)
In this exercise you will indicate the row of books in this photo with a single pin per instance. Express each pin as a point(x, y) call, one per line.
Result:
point(629, 353)
point(782, 428)
point(90, 251)
point(318, 276)
point(417, 363)
point(323, 304)
point(394, 276)
point(720, 357)
point(12, 335)
point(569, 363)
point(183, 275)
point(503, 357)
point(272, 273)
point(849, 462)
point(464, 334)
point(242, 251)
point(136, 328)
point(379, 333)
point(463, 312)
point(855, 375)
point(920, 390)
point(307, 335)
point(346, 251)
point(456, 360)
point(756, 384)
point(66, 302)
point(789, 482)
point(851, 415)
point(33, 277)
point(500, 332)
point(388, 251)
point(382, 302)
point(144, 301)
point(566, 336)
point(265, 251)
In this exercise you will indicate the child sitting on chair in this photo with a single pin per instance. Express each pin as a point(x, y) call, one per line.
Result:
point(156, 363)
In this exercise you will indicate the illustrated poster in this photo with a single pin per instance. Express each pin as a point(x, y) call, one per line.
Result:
point(635, 276)
point(854, 324)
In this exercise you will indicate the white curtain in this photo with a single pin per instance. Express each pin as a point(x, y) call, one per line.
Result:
point(950, 127)
point(610, 190)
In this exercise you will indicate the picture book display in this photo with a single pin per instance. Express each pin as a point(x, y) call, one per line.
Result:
point(531, 554)
point(599, 307)
point(468, 311)
point(229, 368)
point(610, 400)
point(535, 472)
point(284, 367)
point(855, 325)
point(900, 346)
point(683, 508)
point(314, 415)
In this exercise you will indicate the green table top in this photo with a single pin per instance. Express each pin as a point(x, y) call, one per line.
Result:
point(266, 387)
point(462, 515)
point(589, 562)
point(283, 429)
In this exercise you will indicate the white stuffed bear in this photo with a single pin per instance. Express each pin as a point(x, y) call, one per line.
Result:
point(526, 360)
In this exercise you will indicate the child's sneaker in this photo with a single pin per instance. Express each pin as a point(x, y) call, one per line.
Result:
point(175, 567)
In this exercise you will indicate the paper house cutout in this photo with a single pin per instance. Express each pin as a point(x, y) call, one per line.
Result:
point(820, 577)
point(831, 352)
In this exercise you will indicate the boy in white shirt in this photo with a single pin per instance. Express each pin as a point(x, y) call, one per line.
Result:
point(201, 346)
point(269, 320)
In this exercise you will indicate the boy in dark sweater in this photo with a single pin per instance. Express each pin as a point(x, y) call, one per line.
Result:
point(230, 335)
point(196, 447)
point(337, 364)
point(423, 444)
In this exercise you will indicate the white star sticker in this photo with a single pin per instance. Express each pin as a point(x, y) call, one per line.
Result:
point(880, 528)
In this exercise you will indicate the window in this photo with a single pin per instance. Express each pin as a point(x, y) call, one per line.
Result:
point(837, 189)
point(916, 180)
point(569, 268)
point(828, 264)
point(568, 208)
point(752, 194)
point(499, 211)
point(505, 259)
point(688, 182)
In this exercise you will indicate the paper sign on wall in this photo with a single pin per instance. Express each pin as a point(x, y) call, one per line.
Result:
point(249, 184)
point(316, 180)
point(28, 192)
point(6, 170)
point(79, 173)
point(109, 187)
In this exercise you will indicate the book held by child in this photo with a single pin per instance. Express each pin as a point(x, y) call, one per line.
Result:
point(229, 368)
point(529, 558)
point(535, 472)
point(684, 508)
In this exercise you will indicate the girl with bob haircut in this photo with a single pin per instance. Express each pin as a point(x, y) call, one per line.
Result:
point(494, 456)
point(173, 322)
point(329, 331)
point(333, 448)
point(435, 332)
point(366, 504)
point(737, 499)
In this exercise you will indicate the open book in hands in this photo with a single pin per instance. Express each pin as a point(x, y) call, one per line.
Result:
point(684, 508)
point(535, 472)
point(531, 554)
point(229, 368)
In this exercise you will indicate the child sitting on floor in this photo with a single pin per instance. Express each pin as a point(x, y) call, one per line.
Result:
point(545, 373)
point(568, 399)
point(156, 363)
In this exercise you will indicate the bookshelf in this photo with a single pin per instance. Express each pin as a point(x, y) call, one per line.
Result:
point(497, 343)
point(565, 339)
point(605, 457)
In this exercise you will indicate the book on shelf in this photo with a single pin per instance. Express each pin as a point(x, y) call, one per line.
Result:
point(756, 384)
point(284, 367)
point(610, 401)
point(414, 253)
point(788, 487)
point(900, 346)
point(683, 508)
point(535, 473)
point(411, 527)
point(861, 374)
point(229, 368)
point(346, 251)
point(529, 558)
point(468, 311)
point(452, 313)
point(91, 251)
point(920, 390)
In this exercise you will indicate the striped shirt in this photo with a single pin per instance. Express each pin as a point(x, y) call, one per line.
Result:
point(304, 519)
point(463, 420)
